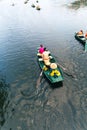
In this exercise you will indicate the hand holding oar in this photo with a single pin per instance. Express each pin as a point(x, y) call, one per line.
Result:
point(61, 66)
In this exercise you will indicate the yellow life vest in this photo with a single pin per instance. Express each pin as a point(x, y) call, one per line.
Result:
point(45, 68)
point(55, 72)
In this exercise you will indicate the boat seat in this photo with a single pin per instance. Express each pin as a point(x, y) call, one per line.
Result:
point(50, 57)
point(40, 59)
point(83, 38)
point(39, 54)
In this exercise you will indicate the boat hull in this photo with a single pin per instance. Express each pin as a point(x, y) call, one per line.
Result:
point(80, 38)
point(54, 78)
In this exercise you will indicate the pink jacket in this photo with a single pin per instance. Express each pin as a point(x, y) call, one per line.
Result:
point(41, 50)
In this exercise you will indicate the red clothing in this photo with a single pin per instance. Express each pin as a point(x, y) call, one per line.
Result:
point(41, 50)
point(86, 35)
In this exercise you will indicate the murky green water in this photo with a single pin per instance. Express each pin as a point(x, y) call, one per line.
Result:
point(28, 101)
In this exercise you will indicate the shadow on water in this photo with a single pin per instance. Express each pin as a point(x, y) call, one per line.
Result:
point(56, 85)
point(3, 99)
point(78, 4)
point(52, 85)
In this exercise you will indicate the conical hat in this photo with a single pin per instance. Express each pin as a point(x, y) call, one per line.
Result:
point(53, 65)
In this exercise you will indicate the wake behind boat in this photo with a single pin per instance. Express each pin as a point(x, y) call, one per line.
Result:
point(53, 73)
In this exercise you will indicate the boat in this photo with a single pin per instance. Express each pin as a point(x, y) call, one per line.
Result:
point(53, 75)
point(82, 39)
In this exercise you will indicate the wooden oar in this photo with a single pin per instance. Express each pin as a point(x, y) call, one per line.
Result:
point(41, 73)
point(39, 80)
point(65, 71)
point(61, 66)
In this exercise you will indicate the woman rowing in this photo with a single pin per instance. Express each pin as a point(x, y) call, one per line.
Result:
point(80, 33)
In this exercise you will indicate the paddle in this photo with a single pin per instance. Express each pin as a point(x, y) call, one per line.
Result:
point(61, 66)
point(65, 71)
point(39, 80)
point(41, 73)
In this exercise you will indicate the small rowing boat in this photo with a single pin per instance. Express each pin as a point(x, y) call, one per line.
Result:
point(82, 39)
point(53, 75)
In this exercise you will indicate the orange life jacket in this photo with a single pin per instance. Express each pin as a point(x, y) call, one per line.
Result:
point(86, 35)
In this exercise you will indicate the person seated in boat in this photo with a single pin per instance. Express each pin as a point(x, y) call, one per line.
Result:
point(46, 52)
point(40, 51)
point(86, 35)
point(45, 55)
point(46, 58)
point(47, 64)
point(80, 33)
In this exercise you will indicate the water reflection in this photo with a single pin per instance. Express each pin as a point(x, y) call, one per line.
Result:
point(78, 4)
point(4, 101)
point(33, 103)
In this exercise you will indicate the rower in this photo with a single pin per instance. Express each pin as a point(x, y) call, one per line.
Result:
point(80, 33)
point(86, 35)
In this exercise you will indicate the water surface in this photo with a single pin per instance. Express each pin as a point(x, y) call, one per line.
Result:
point(29, 101)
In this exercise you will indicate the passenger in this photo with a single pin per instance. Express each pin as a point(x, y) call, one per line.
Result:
point(80, 32)
point(41, 49)
point(47, 63)
point(86, 35)
point(45, 55)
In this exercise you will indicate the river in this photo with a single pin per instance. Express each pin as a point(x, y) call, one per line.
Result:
point(28, 101)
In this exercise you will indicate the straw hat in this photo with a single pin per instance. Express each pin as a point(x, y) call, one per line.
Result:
point(53, 65)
